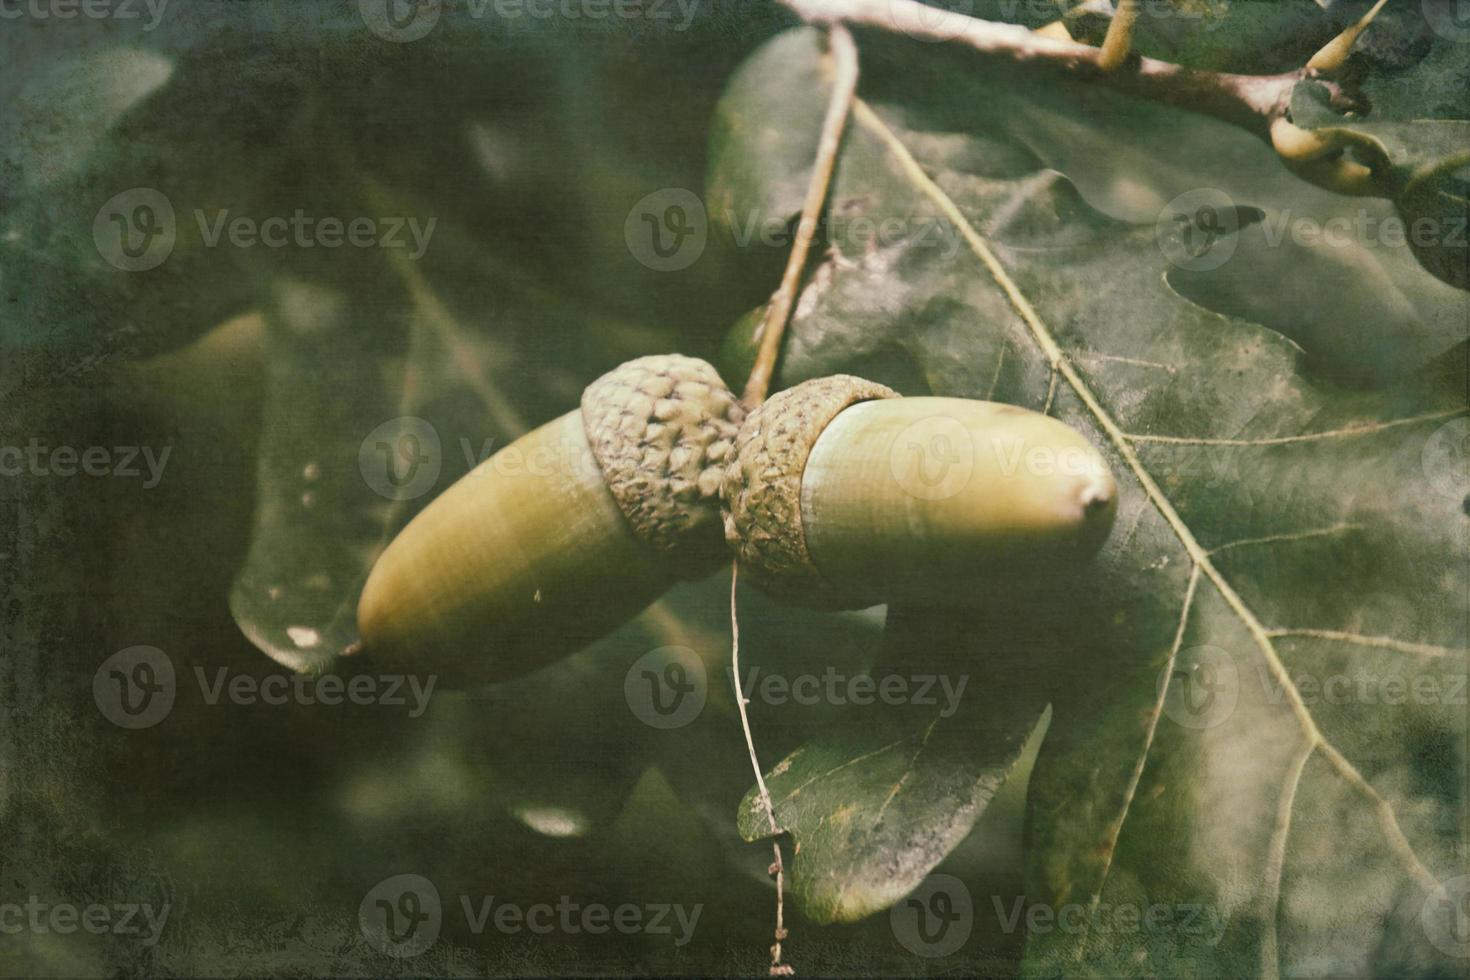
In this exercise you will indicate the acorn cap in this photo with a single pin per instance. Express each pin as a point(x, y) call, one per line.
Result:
point(762, 485)
point(662, 429)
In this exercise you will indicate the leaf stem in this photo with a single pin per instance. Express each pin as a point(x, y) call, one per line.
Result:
point(778, 312)
point(1119, 40)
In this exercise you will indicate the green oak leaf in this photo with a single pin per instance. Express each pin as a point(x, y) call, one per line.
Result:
point(1292, 520)
point(1423, 164)
point(878, 798)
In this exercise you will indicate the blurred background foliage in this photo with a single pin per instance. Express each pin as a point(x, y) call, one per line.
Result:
point(528, 141)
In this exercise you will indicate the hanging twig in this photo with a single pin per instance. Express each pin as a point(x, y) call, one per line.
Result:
point(778, 313)
point(844, 61)
point(777, 869)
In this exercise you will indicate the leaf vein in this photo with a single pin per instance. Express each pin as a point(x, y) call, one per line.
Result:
point(1342, 433)
point(1122, 444)
point(1382, 642)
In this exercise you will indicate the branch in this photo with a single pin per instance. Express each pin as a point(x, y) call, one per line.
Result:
point(778, 312)
point(1252, 102)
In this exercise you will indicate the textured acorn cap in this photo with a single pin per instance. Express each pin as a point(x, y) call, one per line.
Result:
point(762, 485)
point(662, 429)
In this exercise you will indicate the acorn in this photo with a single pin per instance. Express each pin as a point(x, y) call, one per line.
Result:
point(843, 495)
point(835, 493)
point(563, 535)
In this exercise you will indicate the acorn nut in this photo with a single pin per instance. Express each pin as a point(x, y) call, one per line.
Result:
point(563, 535)
point(841, 494)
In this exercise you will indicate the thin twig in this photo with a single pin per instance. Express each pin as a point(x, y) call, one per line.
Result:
point(1119, 41)
point(1252, 102)
point(777, 869)
point(778, 313)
